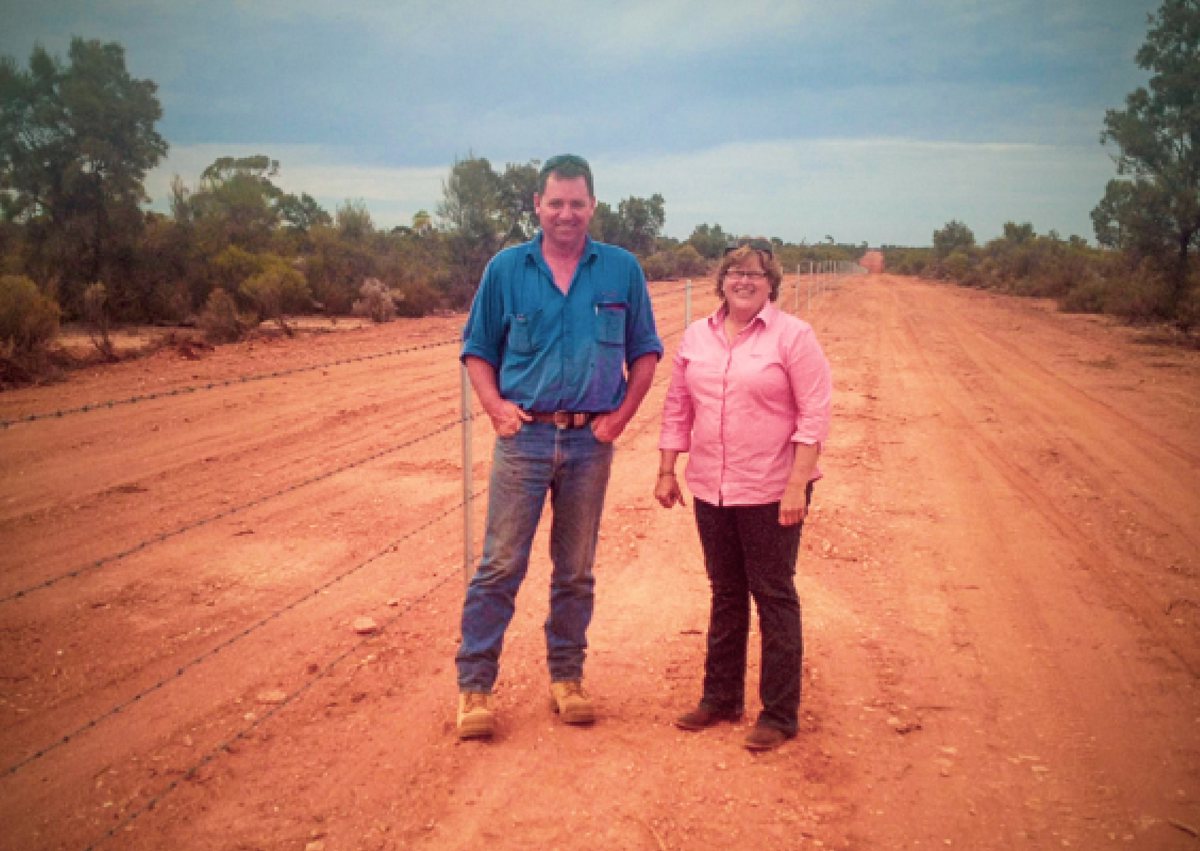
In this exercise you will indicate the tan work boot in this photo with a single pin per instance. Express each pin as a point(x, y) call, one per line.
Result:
point(475, 717)
point(571, 702)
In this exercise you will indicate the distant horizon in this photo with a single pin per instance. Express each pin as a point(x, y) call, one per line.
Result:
point(878, 123)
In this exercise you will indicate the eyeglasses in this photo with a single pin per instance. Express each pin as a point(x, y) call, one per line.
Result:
point(743, 273)
point(757, 243)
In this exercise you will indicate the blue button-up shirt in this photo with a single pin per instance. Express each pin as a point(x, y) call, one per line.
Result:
point(562, 352)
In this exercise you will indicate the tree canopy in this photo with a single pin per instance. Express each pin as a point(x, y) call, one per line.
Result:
point(76, 142)
point(954, 236)
point(1153, 209)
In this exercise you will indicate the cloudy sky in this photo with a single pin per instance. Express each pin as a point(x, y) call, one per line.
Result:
point(869, 121)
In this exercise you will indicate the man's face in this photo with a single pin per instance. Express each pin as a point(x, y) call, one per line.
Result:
point(565, 210)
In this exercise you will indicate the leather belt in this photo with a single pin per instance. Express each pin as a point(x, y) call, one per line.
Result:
point(563, 419)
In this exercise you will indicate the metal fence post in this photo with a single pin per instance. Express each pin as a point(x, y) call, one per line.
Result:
point(468, 465)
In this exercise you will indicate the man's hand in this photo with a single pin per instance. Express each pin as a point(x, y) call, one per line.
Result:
point(608, 427)
point(507, 418)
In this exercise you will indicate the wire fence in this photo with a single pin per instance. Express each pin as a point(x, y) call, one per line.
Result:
point(819, 279)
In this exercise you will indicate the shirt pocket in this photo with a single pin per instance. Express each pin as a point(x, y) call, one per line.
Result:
point(610, 322)
point(522, 329)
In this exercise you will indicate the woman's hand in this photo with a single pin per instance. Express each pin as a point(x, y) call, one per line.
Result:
point(793, 507)
point(666, 490)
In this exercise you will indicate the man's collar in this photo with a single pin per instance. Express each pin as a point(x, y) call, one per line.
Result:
point(534, 247)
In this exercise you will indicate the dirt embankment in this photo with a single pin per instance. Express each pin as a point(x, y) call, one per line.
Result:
point(999, 581)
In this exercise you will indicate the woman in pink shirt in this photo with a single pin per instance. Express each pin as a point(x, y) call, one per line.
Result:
point(749, 401)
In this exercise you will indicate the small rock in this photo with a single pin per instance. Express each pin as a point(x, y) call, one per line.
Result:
point(365, 626)
point(274, 696)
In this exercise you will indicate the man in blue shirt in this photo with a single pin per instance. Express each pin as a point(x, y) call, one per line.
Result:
point(560, 348)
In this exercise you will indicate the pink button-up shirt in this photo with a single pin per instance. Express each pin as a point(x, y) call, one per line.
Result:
point(738, 410)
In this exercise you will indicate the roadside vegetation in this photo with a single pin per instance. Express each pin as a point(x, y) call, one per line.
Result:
point(78, 137)
point(1147, 225)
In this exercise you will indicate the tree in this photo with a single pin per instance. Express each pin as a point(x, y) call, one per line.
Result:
point(635, 225)
point(1153, 209)
point(422, 223)
point(236, 203)
point(954, 236)
point(483, 211)
point(354, 222)
point(76, 143)
point(301, 213)
point(642, 220)
point(606, 224)
point(709, 241)
point(517, 187)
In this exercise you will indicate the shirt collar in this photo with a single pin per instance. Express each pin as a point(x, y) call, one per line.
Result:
point(534, 249)
point(766, 316)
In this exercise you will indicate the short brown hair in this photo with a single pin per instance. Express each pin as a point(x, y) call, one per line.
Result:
point(566, 167)
point(766, 257)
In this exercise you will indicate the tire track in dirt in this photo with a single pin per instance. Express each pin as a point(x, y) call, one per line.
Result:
point(966, 680)
point(1039, 571)
point(1094, 444)
point(144, 665)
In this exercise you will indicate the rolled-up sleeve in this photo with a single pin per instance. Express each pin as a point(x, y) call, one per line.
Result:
point(678, 413)
point(641, 336)
point(483, 334)
point(812, 386)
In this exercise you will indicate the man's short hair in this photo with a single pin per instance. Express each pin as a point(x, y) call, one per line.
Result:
point(566, 167)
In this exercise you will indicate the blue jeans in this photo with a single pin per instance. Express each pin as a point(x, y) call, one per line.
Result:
point(748, 554)
point(573, 467)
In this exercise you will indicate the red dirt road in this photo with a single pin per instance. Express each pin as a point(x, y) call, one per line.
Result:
point(999, 582)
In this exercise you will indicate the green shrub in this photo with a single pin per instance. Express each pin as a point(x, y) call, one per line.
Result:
point(1187, 316)
point(28, 323)
point(416, 298)
point(659, 266)
point(689, 263)
point(277, 289)
point(219, 321)
point(1140, 295)
point(1088, 296)
point(958, 266)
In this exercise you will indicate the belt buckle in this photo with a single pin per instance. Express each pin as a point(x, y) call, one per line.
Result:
point(562, 420)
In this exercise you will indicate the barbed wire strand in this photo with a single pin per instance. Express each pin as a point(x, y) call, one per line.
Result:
point(221, 515)
point(239, 379)
point(251, 629)
point(213, 385)
point(224, 747)
point(233, 639)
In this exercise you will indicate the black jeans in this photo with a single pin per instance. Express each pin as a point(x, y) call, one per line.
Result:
point(748, 554)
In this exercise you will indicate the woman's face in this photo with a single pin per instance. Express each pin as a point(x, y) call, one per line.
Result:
point(746, 287)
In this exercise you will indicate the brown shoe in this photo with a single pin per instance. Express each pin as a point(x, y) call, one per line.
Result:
point(571, 702)
point(763, 737)
point(475, 717)
point(702, 717)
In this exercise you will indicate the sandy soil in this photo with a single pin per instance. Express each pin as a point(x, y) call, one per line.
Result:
point(999, 581)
